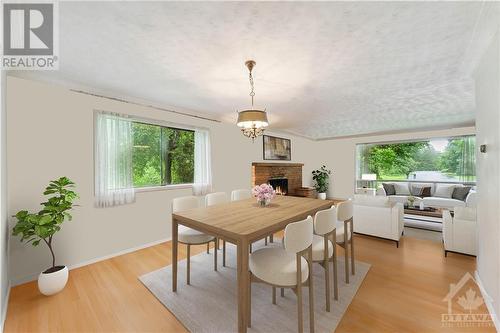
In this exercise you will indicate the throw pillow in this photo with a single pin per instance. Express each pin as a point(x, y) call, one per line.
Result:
point(416, 191)
point(402, 189)
point(461, 193)
point(426, 192)
point(389, 189)
point(444, 190)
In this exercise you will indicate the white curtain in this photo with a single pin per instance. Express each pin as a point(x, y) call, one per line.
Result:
point(202, 163)
point(113, 160)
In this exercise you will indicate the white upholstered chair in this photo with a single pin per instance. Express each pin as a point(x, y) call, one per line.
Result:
point(323, 248)
point(212, 199)
point(460, 231)
point(190, 236)
point(241, 194)
point(286, 267)
point(345, 231)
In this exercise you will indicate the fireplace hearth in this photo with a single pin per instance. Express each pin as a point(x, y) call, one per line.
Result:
point(279, 184)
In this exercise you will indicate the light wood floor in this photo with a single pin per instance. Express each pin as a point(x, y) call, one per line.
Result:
point(402, 292)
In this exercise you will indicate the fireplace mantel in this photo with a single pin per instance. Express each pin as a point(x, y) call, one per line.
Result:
point(262, 172)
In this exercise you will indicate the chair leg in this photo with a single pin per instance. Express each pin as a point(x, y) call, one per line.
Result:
point(311, 294)
point(215, 255)
point(335, 278)
point(265, 241)
point(223, 253)
point(299, 296)
point(208, 248)
point(188, 265)
point(282, 292)
point(274, 295)
point(327, 276)
point(249, 305)
point(271, 238)
point(352, 256)
point(250, 248)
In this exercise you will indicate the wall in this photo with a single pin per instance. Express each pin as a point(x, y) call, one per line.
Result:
point(51, 134)
point(4, 227)
point(340, 155)
point(488, 172)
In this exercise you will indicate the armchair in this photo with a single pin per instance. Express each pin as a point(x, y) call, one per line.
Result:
point(459, 231)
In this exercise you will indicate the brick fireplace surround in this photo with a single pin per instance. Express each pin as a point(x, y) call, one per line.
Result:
point(263, 172)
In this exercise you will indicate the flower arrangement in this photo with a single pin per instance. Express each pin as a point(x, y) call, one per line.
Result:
point(264, 194)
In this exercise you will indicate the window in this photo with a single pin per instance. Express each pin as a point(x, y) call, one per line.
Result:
point(162, 155)
point(441, 160)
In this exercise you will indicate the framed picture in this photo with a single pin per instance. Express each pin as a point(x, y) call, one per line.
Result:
point(277, 148)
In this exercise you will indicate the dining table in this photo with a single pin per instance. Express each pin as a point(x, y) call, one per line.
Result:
point(242, 223)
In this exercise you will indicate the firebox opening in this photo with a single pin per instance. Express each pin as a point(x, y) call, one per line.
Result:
point(280, 185)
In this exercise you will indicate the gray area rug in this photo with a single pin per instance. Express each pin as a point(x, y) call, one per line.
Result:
point(209, 304)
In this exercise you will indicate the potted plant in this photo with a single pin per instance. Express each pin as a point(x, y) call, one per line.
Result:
point(42, 226)
point(321, 178)
point(411, 201)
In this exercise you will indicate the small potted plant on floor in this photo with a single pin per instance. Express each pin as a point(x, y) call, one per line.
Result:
point(321, 178)
point(42, 226)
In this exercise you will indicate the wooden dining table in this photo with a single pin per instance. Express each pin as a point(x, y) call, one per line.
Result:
point(242, 223)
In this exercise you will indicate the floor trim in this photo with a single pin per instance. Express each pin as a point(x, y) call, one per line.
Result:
point(488, 301)
point(33, 277)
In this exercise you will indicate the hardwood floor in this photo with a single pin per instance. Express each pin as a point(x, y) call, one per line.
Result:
point(403, 292)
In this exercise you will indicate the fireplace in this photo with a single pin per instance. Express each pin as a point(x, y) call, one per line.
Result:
point(280, 185)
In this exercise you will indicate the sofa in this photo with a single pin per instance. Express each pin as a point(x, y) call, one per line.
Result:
point(460, 231)
point(441, 194)
point(378, 216)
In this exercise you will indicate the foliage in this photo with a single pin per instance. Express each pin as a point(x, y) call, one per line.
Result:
point(42, 226)
point(321, 178)
point(162, 155)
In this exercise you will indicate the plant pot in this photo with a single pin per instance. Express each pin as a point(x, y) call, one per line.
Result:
point(322, 196)
point(53, 280)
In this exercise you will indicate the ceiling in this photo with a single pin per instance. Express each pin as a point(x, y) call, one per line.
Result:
point(323, 69)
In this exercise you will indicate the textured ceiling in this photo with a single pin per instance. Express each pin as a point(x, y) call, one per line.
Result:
point(323, 69)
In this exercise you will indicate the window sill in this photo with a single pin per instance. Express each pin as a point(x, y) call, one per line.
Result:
point(163, 188)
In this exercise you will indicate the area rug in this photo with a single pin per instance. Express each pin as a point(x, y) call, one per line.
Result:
point(209, 304)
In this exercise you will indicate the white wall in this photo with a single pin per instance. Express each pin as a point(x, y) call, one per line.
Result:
point(50, 134)
point(4, 226)
point(488, 172)
point(340, 155)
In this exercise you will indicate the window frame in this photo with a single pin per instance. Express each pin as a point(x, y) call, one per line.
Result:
point(157, 122)
point(451, 137)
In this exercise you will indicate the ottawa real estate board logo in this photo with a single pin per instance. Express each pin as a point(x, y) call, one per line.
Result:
point(30, 36)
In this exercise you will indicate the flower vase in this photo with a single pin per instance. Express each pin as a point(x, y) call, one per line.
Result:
point(263, 203)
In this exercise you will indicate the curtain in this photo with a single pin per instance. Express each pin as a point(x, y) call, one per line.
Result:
point(467, 167)
point(113, 160)
point(202, 163)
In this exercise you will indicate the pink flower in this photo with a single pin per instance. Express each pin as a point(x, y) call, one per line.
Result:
point(263, 192)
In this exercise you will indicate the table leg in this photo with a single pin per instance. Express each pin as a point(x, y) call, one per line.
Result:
point(174, 254)
point(243, 281)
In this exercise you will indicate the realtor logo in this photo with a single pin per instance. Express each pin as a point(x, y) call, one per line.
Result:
point(29, 31)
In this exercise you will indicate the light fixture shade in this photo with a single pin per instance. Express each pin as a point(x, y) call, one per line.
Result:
point(252, 119)
point(368, 176)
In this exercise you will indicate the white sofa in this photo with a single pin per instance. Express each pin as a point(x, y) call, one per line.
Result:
point(378, 216)
point(459, 231)
point(442, 199)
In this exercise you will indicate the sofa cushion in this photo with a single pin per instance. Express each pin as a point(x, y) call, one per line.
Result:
point(421, 191)
point(461, 192)
point(442, 202)
point(444, 190)
point(389, 189)
point(416, 187)
point(402, 189)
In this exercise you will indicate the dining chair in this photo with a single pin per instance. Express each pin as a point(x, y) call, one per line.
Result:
point(323, 248)
point(190, 236)
point(241, 194)
point(345, 231)
point(212, 199)
point(286, 267)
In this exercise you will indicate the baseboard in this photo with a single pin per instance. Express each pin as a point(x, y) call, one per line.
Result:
point(33, 277)
point(4, 310)
point(488, 301)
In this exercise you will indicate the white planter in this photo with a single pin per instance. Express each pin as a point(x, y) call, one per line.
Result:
point(322, 196)
point(52, 283)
